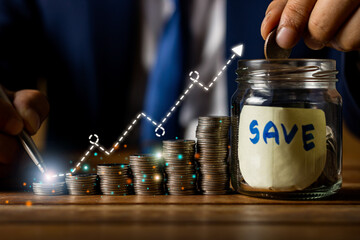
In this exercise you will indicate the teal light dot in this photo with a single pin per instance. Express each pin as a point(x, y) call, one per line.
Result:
point(194, 175)
point(143, 180)
point(122, 165)
point(144, 175)
point(180, 156)
point(95, 154)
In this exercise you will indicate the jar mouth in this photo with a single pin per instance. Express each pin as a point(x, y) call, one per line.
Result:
point(287, 69)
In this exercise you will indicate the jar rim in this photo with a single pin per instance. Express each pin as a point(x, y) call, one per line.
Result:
point(288, 60)
point(296, 69)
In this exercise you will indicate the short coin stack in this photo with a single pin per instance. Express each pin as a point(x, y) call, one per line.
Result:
point(49, 189)
point(114, 179)
point(147, 171)
point(213, 140)
point(82, 184)
point(180, 167)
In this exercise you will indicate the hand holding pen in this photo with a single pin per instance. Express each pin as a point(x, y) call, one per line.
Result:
point(21, 115)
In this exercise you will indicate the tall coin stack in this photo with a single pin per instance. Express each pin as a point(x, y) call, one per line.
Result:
point(82, 184)
point(147, 171)
point(212, 144)
point(114, 179)
point(180, 167)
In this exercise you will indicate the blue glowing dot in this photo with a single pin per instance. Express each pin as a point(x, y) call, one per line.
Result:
point(122, 165)
point(95, 154)
point(143, 180)
point(147, 188)
point(176, 138)
point(112, 193)
point(220, 121)
point(167, 164)
point(144, 175)
point(180, 156)
point(194, 175)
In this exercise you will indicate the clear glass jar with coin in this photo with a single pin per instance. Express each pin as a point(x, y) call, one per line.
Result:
point(286, 138)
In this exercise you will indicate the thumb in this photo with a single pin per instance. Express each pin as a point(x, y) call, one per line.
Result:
point(33, 107)
point(293, 22)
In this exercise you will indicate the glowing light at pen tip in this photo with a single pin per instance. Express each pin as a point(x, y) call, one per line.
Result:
point(158, 155)
point(47, 178)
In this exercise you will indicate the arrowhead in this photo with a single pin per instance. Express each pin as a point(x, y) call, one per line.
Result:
point(238, 50)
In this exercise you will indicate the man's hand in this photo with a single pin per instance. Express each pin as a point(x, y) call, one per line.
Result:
point(29, 110)
point(332, 23)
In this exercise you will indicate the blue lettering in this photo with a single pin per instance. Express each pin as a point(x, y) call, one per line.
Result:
point(289, 137)
point(254, 130)
point(307, 137)
point(267, 134)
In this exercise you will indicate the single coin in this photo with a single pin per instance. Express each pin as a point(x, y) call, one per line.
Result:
point(272, 50)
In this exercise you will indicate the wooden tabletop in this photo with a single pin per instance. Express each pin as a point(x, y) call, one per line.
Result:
point(26, 216)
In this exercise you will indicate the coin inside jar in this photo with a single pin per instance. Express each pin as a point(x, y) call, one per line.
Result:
point(272, 50)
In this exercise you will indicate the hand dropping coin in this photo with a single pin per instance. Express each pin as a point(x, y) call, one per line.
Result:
point(272, 50)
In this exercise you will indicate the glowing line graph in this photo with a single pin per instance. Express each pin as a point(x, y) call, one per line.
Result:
point(94, 139)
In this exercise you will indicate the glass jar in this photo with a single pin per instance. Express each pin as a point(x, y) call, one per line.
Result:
point(286, 138)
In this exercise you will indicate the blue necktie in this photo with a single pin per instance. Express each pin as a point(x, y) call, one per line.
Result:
point(164, 83)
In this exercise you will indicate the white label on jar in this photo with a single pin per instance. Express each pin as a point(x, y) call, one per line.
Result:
point(281, 148)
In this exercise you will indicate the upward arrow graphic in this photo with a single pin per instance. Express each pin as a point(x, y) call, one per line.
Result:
point(159, 129)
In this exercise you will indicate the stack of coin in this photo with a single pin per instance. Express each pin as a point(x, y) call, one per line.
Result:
point(213, 140)
point(49, 189)
point(180, 167)
point(114, 179)
point(82, 184)
point(147, 171)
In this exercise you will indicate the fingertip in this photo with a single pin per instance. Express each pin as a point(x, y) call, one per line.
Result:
point(13, 126)
point(32, 121)
point(264, 30)
point(286, 37)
